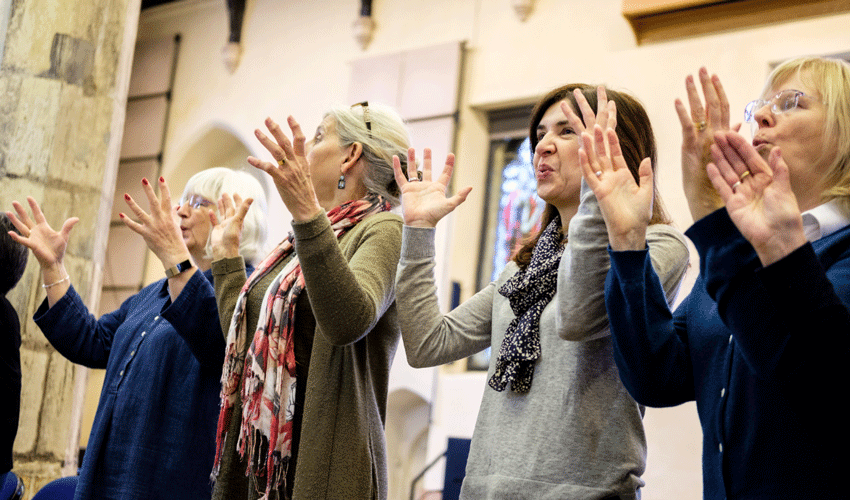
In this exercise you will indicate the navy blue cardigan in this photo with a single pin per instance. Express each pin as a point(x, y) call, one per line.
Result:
point(760, 350)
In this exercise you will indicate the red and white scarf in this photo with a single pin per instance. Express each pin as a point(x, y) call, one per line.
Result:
point(267, 373)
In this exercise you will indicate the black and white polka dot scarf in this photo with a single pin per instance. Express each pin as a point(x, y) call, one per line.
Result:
point(528, 291)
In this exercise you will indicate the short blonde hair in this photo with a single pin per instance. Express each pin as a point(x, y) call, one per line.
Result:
point(212, 183)
point(831, 78)
point(387, 137)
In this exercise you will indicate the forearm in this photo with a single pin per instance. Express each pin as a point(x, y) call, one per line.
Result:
point(431, 339)
point(349, 292)
point(229, 276)
point(652, 359)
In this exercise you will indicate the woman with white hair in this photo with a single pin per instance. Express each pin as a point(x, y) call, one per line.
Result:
point(312, 333)
point(154, 431)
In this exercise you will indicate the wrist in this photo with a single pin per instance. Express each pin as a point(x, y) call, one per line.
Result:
point(178, 268)
point(631, 240)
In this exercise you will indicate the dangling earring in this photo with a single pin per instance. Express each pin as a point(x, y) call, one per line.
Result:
point(341, 183)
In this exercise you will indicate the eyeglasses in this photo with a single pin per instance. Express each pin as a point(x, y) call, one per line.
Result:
point(196, 201)
point(780, 103)
point(367, 117)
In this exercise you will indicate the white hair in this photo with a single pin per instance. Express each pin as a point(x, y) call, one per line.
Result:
point(212, 183)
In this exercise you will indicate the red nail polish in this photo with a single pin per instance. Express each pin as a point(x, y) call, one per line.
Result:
point(126, 196)
point(161, 179)
point(144, 181)
point(121, 215)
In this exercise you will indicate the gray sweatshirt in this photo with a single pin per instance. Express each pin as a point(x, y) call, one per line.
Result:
point(577, 434)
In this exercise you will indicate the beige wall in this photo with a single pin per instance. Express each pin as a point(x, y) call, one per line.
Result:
point(297, 57)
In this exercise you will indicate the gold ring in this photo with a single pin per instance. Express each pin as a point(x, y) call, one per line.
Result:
point(281, 162)
point(700, 125)
point(744, 175)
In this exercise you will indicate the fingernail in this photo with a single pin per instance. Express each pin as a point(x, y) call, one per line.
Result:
point(161, 179)
point(144, 181)
point(121, 215)
point(126, 196)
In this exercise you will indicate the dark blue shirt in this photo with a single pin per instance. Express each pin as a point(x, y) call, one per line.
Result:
point(153, 435)
point(760, 350)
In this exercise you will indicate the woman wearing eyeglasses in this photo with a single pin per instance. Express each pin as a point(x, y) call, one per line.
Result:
point(153, 435)
point(761, 341)
point(312, 332)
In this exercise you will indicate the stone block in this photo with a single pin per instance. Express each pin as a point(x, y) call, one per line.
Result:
point(17, 189)
point(33, 375)
point(56, 407)
point(34, 128)
point(32, 25)
point(78, 155)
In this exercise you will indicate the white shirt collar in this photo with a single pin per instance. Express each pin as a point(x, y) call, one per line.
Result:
point(824, 220)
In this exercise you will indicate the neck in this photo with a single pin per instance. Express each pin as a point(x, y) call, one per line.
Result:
point(566, 213)
point(200, 260)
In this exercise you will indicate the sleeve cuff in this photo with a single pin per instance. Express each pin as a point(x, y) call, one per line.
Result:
point(226, 266)
point(311, 228)
point(628, 265)
point(417, 243)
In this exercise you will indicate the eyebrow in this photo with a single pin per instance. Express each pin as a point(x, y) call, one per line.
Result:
point(557, 124)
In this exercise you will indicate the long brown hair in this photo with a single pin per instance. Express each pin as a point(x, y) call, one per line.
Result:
point(636, 140)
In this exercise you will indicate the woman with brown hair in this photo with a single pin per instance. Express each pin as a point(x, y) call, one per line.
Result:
point(555, 421)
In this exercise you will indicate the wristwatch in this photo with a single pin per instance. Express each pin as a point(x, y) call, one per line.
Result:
point(179, 268)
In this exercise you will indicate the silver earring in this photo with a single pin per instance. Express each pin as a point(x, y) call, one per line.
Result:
point(341, 183)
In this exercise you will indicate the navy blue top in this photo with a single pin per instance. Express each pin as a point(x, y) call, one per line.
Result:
point(10, 381)
point(154, 432)
point(760, 350)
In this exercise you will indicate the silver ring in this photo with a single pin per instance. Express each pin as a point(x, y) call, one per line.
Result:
point(598, 173)
point(412, 179)
point(735, 186)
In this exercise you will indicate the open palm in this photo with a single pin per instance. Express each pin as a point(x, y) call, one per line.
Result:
point(424, 203)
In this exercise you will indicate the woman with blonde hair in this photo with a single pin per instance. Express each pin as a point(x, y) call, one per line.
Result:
point(761, 340)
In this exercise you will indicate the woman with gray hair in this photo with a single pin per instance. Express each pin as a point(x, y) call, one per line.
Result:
point(312, 333)
point(153, 433)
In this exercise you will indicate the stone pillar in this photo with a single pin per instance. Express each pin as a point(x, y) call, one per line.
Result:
point(64, 76)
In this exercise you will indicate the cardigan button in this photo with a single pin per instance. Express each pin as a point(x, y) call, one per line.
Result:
point(720, 446)
point(722, 392)
point(730, 339)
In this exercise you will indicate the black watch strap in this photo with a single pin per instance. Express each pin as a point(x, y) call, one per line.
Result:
point(179, 268)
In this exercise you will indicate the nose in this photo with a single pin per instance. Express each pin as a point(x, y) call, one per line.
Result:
point(545, 145)
point(183, 210)
point(764, 117)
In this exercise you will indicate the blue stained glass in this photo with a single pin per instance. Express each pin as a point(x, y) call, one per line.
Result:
point(520, 209)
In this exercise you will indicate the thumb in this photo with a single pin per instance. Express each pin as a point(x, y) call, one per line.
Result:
point(780, 169)
point(68, 226)
point(645, 172)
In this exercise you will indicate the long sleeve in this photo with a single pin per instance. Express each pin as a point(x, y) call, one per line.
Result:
point(76, 333)
point(430, 338)
point(584, 266)
point(773, 311)
point(229, 275)
point(194, 315)
point(353, 293)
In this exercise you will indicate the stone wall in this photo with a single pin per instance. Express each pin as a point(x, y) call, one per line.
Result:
point(63, 84)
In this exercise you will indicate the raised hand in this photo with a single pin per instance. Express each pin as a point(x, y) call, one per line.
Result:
point(758, 196)
point(291, 174)
point(424, 203)
point(47, 245)
point(605, 116)
point(698, 128)
point(159, 229)
point(226, 234)
point(626, 205)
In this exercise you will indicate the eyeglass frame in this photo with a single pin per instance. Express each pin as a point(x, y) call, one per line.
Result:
point(753, 106)
point(196, 201)
point(367, 117)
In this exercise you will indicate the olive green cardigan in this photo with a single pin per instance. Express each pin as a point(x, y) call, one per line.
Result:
point(350, 286)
